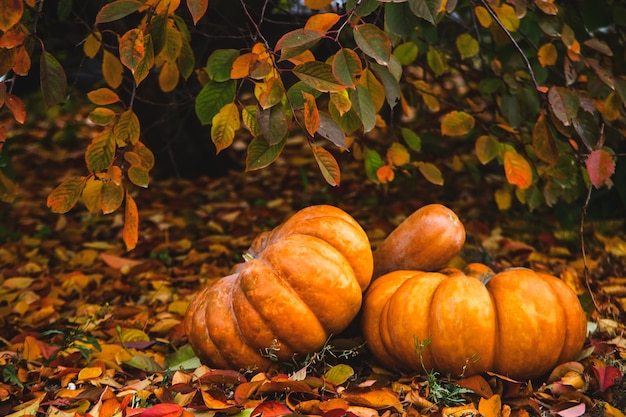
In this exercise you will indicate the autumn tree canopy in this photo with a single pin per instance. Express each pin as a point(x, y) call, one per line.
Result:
point(536, 88)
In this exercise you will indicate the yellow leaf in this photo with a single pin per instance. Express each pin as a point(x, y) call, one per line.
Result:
point(375, 88)
point(169, 76)
point(92, 44)
point(225, 123)
point(398, 155)
point(517, 170)
point(90, 373)
point(430, 99)
point(103, 96)
point(133, 335)
point(490, 407)
point(341, 100)
point(547, 54)
point(457, 123)
point(503, 199)
point(112, 69)
point(467, 45)
point(483, 16)
point(92, 195)
point(317, 4)
point(508, 17)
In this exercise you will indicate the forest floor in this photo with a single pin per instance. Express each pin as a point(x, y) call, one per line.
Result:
point(87, 328)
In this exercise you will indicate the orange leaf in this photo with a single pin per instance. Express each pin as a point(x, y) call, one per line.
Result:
point(327, 165)
point(11, 12)
point(517, 169)
point(92, 44)
point(197, 8)
point(22, 62)
point(321, 22)
point(457, 123)
point(112, 69)
point(17, 107)
point(547, 54)
point(66, 194)
point(317, 4)
point(377, 398)
point(490, 407)
point(169, 76)
point(130, 234)
point(398, 155)
point(311, 113)
point(90, 373)
point(241, 66)
point(385, 174)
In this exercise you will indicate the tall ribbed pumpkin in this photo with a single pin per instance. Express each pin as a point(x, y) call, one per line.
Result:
point(303, 282)
point(520, 324)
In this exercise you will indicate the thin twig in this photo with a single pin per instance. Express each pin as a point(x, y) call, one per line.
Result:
point(495, 17)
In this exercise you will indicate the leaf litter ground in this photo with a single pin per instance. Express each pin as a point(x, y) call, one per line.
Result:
point(89, 329)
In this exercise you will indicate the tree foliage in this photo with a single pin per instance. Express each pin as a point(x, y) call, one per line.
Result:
point(537, 88)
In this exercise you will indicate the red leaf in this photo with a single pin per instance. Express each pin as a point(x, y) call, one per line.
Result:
point(270, 409)
point(607, 376)
point(600, 166)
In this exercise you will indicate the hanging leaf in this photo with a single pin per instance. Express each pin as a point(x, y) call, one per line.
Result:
point(391, 86)
point(212, 97)
point(600, 166)
point(406, 52)
point(130, 233)
point(398, 155)
point(430, 172)
point(11, 12)
point(132, 48)
point(173, 44)
point(100, 152)
point(364, 107)
point(17, 107)
point(374, 87)
point(317, 4)
point(271, 93)
point(436, 61)
point(374, 42)
point(169, 76)
point(103, 96)
point(92, 195)
point(412, 139)
point(564, 104)
point(225, 124)
point(426, 9)
point(112, 69)
point(347, 67)
point(248, 117)
point(65, 195)
point(517, 169)
point(318, 75)
point(139, 176)
point(297, 41)
point(272, 123)
point(385, 174)
point(508, 17)
point(261, 154)
point(373, 162)
point(117, 10)
point(330, 129)
point(146, 156)
point(197, 9)
point(112, 197)
point(53, 80)
point(544, 142)
point(102, 116)
point(547, 54)
point(483, 16)
point(127, 129)
point(430, 98)
point(220, 63)
point(327, 165)
point(487, 148)
point(145, 65)
point(467, 45)
point(457, 123)
point(587, 128)
point(311, 114)
point(321, 22)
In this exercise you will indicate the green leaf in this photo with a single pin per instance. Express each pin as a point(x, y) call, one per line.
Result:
point(426, 9)
point(400, 20)
point(374, 42)
point(327, 165)
point(186, 60)
point(132, 49)
point(52, 79)
point(145, 155)
point(147, 62)
point(339, 374)
point(347, 67)
point(487, 148)
point(102, 116)
point(139, 176)
point(66, 194)
point(318, 75)
point(467, 45)
point(173, 44)
point(436, 61)
point(390, 83)
point(412, 139)
point(248, 116)
point(587, 128)
point(406, 52)
point(297, 41)
point(272, 123)
point(213, 96)
point(564, 104)
point(182, 359)
point(261, 154)
point(144, 363)
point(294, 94)
point(117, 10)
point(127, 129)
point(219, 63)
point(364, 107)
point(373, 161)
point(100, 152)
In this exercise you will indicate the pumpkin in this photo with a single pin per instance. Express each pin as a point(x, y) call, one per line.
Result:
point(424, 241)
point(519, 324)
point(302, 282)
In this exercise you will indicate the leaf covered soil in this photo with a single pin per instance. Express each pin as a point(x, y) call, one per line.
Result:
point(87, 328)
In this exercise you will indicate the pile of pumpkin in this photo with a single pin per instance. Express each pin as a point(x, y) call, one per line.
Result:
point(311, 276)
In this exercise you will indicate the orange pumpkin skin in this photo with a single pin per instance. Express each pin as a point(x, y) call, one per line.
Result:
point(520, 324)
point(304, 282)
point(424, 241)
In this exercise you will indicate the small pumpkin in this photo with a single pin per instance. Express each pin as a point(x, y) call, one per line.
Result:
point(424, 241)
point(303, 282)
point(519, 324)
